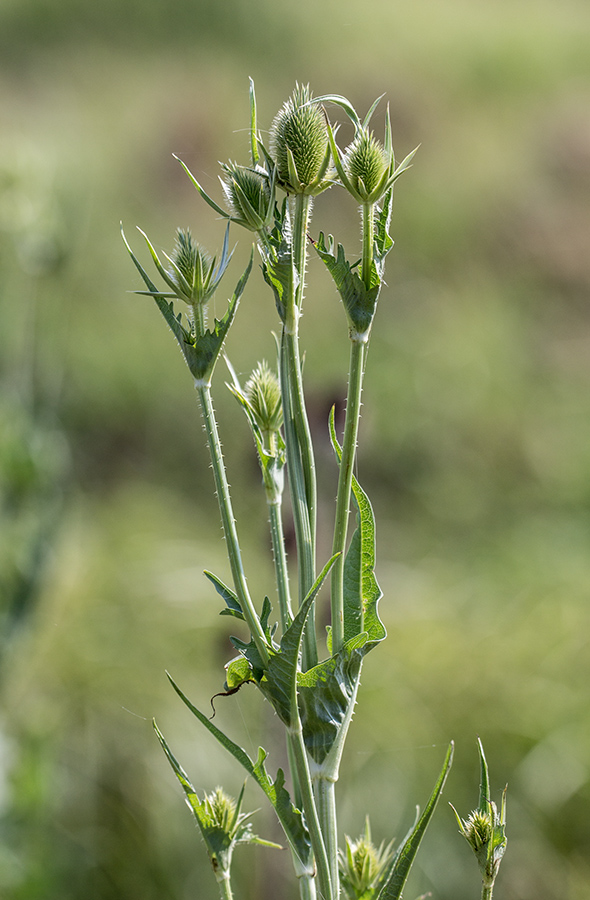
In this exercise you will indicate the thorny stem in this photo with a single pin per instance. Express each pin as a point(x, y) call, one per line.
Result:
point(351, 425)
point(325, 792)
point(229, 523)
point(325, 789)
point(224, 883)
point(280, 561)
point(300, 458)
point(368, 228)
point(358, 353)
point(311, 814)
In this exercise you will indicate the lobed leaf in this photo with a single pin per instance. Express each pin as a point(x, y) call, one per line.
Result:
point(325, 695)
point(361, 590)
point(359, 302)
point(279, 683)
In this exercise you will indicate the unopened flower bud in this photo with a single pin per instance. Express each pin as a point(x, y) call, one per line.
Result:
point(248, 196)
point(263, 394)
point(191, 267)
point(366, 164)
point(363, 866)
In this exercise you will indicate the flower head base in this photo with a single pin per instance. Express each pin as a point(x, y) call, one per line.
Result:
point(299, 144)
point(249, 194)
point(363, 866)
point(485, 828)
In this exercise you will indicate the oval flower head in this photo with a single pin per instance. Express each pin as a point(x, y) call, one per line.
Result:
point(366, 165)
point(299, 144)
point(249, 194)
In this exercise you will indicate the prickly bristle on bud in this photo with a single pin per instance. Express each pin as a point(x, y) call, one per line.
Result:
point(363, 865)
point(247, 193)
point(191, 260)
point(365, 162)
point(300, 127)
point(221, 808)
point(264, 396)
point(478, 829)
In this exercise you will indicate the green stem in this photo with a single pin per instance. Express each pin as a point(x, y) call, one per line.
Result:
point(300, 457)
point(310, 810)
point(486, 891)
point(325, 792)
point(307, 889)
point(280, 561)
point(224, 883)
point(351, 425)
point(228, 522)
point(358, 352)
point(368, 229)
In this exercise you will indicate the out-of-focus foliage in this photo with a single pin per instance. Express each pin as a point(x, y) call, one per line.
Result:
point(475, 443)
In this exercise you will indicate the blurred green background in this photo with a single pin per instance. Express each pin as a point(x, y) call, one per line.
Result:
point(475, 433)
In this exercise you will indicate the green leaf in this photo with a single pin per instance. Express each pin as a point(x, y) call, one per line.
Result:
point(359, 302)
point(209, 200)
point(346, 105)
point(383, 240)
point(253, 127)
point(326, 693)
point(484, 783)
point(237, 672)
point(229, 596)
point(405, 855)
point(279, 683)
point(290, 818)
point(361, 590)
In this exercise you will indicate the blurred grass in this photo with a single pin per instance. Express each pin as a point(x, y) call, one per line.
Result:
point(475, 429)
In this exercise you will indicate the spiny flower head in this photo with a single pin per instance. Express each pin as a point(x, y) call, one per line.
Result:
point(263, 394)
point(191, 266)
point(191, 275)
point(366, 163)
point(363, 866)
point(299, 144)
point(249, 196)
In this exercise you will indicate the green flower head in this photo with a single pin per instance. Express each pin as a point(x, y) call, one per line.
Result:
point(366, 164)
point(363, 866)
point(299, 144)
point(484, 829)
point(191, 275)
point(191, 267)
point(263, 394)
point(249, 196)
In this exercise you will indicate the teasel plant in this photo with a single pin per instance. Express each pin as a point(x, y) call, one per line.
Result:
point(312, 689)
point(484, 829)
